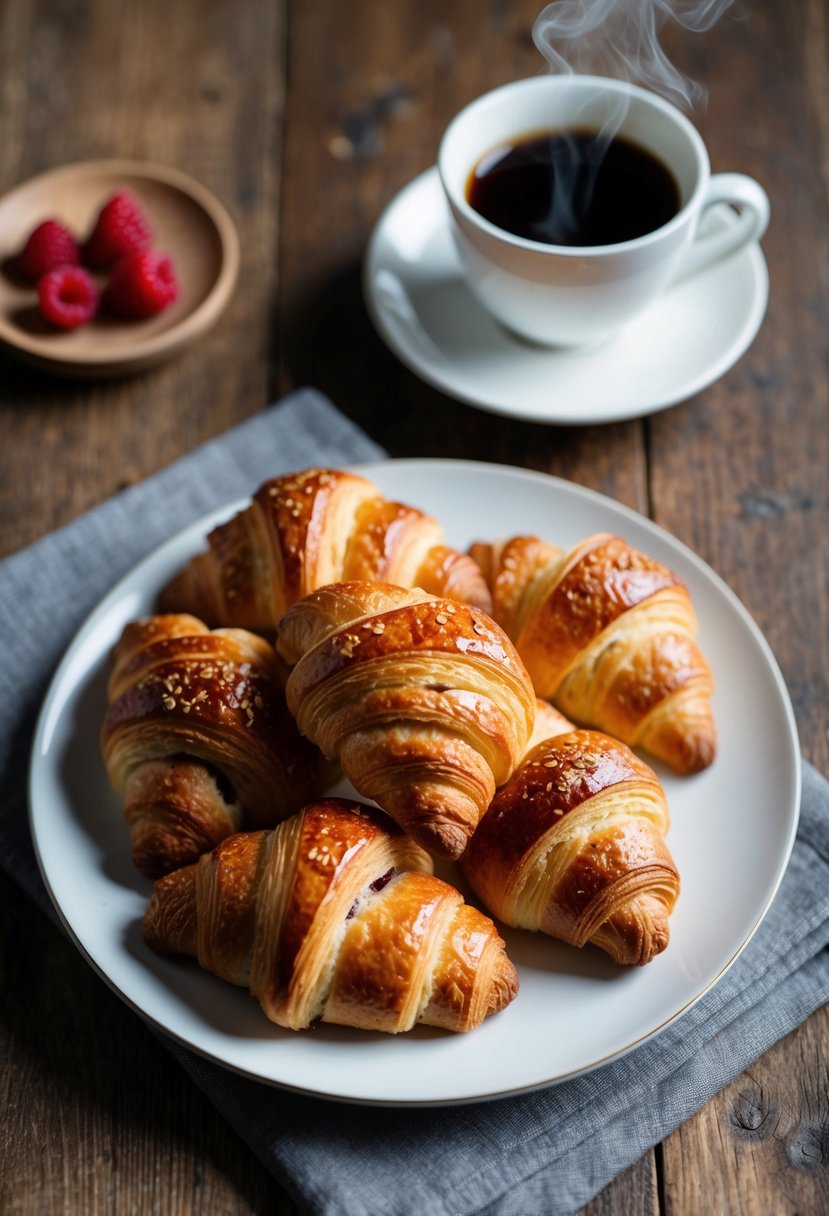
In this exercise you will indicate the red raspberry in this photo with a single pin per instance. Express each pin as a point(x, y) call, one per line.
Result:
point(121, 228)
point(51, 244)
point(67, 297)
point(142, 284)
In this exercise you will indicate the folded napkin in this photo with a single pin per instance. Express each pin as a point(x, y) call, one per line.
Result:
point(548, 1151)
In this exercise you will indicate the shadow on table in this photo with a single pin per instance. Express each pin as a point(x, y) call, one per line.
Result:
point(329, 341)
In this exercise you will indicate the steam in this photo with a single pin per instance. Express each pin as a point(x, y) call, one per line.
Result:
point(620, 39)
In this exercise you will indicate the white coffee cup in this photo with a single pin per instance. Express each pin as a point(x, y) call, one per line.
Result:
point(560, 295)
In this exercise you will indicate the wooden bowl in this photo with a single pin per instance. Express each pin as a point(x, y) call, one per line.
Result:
point(188, 223)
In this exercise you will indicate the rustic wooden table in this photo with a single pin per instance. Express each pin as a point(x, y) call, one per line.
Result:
point(306, 119)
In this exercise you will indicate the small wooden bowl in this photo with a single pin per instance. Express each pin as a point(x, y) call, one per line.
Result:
point(188, 223)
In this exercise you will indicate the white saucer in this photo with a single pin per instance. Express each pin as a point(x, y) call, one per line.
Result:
point(422, 308)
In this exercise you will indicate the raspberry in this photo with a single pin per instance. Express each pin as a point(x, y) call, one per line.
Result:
point(67, 297)
point(51, 244)
point(142, 284)
point(121, 228)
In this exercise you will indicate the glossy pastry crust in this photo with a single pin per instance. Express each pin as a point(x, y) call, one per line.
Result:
point(573, 845)
point(198, 740)
point(608, 635)
point(304, 530)
point(336, 916)
point(424, 702)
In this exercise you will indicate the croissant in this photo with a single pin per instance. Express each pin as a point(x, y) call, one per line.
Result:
point(573, 845)
point(335, 915)
point(607, 634)
point(304, 530)
point(423, 701)
point(548, 722)
point(198, 740)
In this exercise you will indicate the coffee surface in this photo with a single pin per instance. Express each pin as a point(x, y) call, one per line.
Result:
point(573, 188)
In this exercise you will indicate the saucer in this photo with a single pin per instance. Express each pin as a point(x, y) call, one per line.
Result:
point(187, 222)
point(419, 302)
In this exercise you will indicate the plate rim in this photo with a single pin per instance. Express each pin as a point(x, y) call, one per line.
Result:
point(406, 353)
point(158, 346)
point(366, 468)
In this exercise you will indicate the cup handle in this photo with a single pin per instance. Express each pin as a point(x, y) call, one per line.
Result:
point(752, 204)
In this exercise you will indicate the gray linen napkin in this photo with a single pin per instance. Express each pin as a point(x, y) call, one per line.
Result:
point(548, 1151)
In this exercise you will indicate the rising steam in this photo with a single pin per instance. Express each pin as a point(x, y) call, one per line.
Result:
point(620, 38)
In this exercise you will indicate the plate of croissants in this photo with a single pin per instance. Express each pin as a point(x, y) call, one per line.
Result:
point(421, 782)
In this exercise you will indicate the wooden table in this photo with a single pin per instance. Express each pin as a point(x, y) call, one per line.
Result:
point(306, 119)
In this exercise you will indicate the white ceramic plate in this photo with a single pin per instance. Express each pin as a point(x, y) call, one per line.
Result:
point(420, 304)
point(732, 831)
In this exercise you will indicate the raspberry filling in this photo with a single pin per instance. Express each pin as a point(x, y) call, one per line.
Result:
point(377, 885)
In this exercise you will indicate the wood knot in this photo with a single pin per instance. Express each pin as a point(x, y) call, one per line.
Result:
point(753, 1114)
point(808, 1146)
point(360, 135)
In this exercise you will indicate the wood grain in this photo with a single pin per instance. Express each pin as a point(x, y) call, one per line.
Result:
point(757, 441)
point(758, 445)
point(365, 118)
point(766, 1134)
point(305, 120)
point(96, 1115)
point(100, 79)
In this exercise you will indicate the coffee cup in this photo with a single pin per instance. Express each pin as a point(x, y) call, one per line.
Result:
point(582, 294)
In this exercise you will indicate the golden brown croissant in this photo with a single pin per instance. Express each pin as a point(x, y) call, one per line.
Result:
point(548, 722)
point(574, 845)
point(198, 740)
point(423, 701)
point(607, 634)
point(335, 915)
point(304, 530)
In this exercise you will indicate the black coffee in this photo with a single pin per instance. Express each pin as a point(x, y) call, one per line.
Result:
point(573, 188)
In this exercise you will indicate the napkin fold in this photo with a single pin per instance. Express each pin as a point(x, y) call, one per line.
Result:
point(549, 1151)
